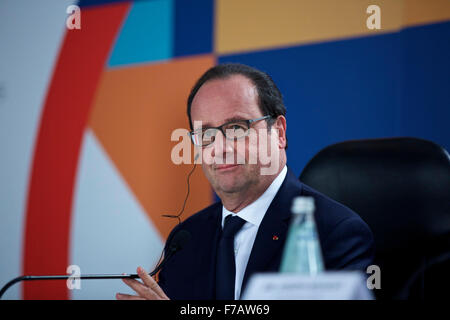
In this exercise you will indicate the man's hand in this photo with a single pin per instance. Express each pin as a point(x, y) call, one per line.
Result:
point(148, 290)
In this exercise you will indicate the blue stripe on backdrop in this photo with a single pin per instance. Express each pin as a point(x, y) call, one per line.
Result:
point(193, 24)
point(193, 27)
point(355, 88)
point(147, 34)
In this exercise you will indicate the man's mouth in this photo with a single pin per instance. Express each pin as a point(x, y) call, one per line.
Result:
point(225, 167)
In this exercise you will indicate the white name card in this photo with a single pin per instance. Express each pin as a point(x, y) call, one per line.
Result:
point(342, 285)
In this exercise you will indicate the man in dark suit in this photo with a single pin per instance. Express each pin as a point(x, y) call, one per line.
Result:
point(232, 104)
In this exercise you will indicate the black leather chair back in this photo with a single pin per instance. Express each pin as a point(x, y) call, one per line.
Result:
point(401, 188)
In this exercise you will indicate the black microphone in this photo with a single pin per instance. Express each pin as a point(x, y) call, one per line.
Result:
point(179, 240)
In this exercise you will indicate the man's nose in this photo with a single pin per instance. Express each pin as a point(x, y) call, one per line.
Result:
point(221, 145)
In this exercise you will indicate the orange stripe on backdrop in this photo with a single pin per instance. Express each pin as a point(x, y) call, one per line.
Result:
point(135, 111)
point(262, 24)
point(419, 12)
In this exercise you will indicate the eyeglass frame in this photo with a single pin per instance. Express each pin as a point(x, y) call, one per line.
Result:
point(220, 128)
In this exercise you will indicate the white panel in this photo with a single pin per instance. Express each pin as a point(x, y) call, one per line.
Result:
point(111, 232)
point(30, 35)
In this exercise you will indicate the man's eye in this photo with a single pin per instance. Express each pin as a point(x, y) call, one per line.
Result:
point(236, 127)
point(208, 133)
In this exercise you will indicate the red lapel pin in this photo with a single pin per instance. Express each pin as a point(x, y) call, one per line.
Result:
point(275, 238)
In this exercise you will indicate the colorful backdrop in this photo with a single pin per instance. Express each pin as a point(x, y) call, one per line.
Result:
point(86, 115)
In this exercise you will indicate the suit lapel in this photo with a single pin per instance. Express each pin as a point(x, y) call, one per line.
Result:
point(210, 232)
point(273, 229)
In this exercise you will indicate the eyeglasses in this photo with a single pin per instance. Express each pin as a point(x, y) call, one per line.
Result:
point(232, 130)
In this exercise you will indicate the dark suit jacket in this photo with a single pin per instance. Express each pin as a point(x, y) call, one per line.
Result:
point(346, 242)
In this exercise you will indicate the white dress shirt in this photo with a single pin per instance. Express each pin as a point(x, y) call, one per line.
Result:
point(245, 237)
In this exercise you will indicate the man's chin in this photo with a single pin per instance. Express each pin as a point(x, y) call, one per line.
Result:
point(227, 191)
point(228, 187)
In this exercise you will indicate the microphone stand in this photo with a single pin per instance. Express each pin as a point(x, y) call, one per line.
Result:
point(176, 244)
point(84, 277)
point(65, 277)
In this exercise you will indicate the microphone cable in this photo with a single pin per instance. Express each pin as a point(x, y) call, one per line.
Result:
point(177, 216)
point(184, 204)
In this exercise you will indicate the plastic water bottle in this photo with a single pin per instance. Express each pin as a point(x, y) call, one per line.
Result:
point(302, 253)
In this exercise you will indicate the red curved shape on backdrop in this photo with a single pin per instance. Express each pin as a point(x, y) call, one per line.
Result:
point(69, 98)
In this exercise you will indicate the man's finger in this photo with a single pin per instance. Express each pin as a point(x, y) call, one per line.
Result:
point(151, 283)
point(124, 296)
point(141, 289)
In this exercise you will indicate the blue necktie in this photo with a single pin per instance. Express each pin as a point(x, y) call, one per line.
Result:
point(225, 264)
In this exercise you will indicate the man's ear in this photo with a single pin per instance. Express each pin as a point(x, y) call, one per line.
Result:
point(280, 126)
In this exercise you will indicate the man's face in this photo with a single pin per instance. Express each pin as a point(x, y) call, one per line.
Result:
point(220, 101)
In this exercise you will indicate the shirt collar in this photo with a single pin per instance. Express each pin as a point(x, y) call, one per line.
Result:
point(254, 212)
